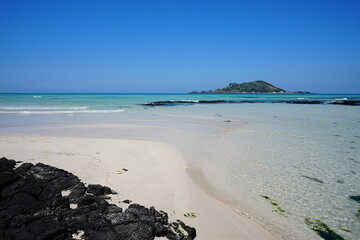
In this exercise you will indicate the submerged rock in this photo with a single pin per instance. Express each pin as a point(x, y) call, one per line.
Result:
point(323, 230)
point(355, 198)
point(340, 181)
point(33, 206)
point(313, 179)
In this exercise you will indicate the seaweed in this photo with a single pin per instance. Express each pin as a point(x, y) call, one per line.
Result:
point(190, 215)
point(278, 209)
point(358, 213)
point(323, 230)
point(344, 228)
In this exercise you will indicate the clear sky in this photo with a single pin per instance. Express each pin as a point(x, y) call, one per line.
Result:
point(178, 45)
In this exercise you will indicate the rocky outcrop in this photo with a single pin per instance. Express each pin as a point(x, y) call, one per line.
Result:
point(191, 102)
point(40, 202)
point(184, 102)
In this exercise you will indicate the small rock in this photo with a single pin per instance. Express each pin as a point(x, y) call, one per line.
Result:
point(355, 198)
point(97, 189)
point(313, 179)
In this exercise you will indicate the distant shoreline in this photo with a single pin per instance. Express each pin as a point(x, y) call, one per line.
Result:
point(206, 92)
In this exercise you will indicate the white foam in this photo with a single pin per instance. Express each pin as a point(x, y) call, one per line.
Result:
point(36, 96)
point(42, 108)
point(63, 112)
point(189, 101)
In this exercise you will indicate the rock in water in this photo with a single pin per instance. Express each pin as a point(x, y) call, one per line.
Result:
point(313, 179)
point(355, 198)
point(32, 206)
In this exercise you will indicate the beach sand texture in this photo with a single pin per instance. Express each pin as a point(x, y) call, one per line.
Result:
point(156, 177)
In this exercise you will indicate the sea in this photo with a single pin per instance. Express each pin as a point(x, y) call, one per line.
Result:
point(278, 159)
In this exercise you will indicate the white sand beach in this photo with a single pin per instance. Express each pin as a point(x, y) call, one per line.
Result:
point(156, 177)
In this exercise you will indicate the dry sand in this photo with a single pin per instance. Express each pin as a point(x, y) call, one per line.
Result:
point(156, 177)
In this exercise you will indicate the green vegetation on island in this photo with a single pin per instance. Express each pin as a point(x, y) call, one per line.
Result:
point(249, 87)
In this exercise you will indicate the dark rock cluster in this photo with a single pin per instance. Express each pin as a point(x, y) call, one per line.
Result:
point(313, 179)
point(189, 102)
point(170, 103)
point(40, 202)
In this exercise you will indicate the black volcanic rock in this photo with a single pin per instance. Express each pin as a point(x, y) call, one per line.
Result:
point(97, 189)
point(190, 102)
point(186, 102)
point(33, 206)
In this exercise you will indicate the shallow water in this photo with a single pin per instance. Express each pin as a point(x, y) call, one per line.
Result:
point(305, 157)
point(30, 104)
point(281, 153)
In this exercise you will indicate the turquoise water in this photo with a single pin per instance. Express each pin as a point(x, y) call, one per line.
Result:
point(305, 157)
point(281, 152)
point(116, 103)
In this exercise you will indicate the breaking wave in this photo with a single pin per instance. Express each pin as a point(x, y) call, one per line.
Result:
point(63, 112)
point(42, 108)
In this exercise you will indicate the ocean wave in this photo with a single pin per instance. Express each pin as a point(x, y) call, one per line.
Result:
point(340, 99)
point(36, 96)
point(42, 108)
point(188, 101)
point(62, 112)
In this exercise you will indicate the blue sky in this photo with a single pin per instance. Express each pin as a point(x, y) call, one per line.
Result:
point(178, 45)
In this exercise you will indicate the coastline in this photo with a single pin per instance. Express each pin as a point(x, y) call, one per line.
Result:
point(156, 177)
point(231, 150)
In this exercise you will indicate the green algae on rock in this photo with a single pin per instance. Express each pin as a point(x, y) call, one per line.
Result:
point(344, 228)
point(323, 230)
point(278, 209)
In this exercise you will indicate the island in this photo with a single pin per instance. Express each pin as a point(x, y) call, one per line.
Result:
point(250, 87)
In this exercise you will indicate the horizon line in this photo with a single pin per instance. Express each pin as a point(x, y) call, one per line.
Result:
point(166, 93)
